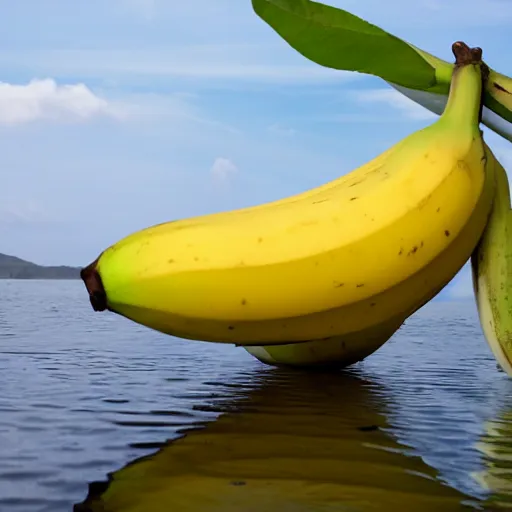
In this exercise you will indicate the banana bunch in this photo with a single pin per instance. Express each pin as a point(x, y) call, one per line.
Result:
point(326, 276)
point(332, 34)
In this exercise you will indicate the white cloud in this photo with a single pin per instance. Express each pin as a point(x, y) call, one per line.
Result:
point(223, 169)
point(24, 211)
point(396, 100)
point(45, 99)
point(243, 63)
point(437, 13)
point(145, 8)
point(393, 12)
point(281, 130)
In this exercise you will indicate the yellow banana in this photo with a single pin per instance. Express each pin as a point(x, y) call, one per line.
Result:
point(350, 348)
point(363, 251)
point(491, 265)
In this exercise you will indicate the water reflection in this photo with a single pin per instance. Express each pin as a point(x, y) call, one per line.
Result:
point(496, 448)
point(291, 441)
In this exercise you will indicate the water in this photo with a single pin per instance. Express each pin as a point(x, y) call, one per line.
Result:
point(425, 423)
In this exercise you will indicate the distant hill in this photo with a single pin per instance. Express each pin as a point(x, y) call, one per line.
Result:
point(16, 268)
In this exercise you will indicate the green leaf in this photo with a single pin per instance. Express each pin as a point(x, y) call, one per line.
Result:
point(337, 39)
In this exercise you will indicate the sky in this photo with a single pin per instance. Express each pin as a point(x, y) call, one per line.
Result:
point(122, 114)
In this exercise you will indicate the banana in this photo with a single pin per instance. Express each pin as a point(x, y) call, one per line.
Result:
point(365, 250)
point(337, 351)
point(491, 265)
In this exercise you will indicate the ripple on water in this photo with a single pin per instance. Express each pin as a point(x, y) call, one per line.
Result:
point(422, 424)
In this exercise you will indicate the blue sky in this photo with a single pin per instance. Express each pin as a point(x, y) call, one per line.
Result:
point(118, 115)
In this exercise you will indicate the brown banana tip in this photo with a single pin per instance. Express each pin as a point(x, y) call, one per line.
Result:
point(465, 55)
point(92, 280)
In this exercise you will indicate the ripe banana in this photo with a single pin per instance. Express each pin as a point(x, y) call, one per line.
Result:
point(491, 265)
point(365, 250)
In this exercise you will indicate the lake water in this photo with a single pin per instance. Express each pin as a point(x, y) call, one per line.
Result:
point(423, 424)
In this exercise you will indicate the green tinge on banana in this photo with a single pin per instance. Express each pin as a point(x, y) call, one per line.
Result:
point(497, 108)
point(436, 102)
point(492, 272)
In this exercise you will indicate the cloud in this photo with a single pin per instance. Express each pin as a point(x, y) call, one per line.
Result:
point(466, 13)
point(244, 63)
point(145, 8)
point(281, 130)
point(145, 58)
point(396, 100)
point(396, 12)
point(21, 212)
point(45, 99)
point(223, 169)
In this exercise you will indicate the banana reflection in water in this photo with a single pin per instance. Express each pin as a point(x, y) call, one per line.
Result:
point(496, 447)
point(298, 442)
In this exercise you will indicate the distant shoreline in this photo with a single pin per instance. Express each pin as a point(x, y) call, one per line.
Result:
point(14, 268)
point(2, 278)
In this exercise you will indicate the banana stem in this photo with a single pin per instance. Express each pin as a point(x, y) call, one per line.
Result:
point(94, 285)
point(465, 99)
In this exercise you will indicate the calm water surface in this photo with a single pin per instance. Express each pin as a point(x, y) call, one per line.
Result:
point(425, 423)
